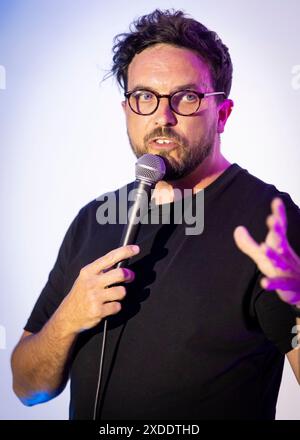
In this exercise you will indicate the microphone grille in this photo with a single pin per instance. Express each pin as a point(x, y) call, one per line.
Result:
point(150, 167)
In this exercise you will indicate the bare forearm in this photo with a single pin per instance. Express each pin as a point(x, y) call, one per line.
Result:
point(39, 362)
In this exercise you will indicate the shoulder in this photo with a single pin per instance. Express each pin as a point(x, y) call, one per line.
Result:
point(257, 197)
point(258, 192)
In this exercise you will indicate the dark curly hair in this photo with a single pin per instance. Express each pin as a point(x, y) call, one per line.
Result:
point(174, 28)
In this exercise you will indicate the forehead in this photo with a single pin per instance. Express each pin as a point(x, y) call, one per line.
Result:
point(163, 67)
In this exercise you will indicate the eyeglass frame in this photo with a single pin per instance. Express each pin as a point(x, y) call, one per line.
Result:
point(200, 95)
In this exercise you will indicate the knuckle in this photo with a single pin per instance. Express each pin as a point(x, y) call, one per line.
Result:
point(83, 271)
point(103, 262)
point(96, 309)
point(88, 284)
point(110, 256)
point(122, 273)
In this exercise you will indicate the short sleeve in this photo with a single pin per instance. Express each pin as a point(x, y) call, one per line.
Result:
point(277, 318)
point(53, 293)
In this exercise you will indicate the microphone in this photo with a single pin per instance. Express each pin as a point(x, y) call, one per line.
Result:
point(149, 169)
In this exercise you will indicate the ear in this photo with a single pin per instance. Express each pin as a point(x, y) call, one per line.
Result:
point(224, 110)
point(123, 103)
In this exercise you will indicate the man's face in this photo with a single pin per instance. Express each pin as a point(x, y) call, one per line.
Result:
point(165, 69)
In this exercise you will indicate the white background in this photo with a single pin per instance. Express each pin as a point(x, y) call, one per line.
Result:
point(63, 140)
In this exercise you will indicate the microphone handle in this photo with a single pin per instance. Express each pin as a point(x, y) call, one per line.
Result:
point(138, 209)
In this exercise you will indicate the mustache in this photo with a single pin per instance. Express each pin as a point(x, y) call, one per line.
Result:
point(165, 132)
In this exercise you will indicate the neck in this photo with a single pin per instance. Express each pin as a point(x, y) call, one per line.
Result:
point(208, 171)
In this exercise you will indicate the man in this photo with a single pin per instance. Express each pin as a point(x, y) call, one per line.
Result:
point(193, 335)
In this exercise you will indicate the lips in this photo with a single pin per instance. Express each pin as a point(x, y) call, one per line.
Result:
point(163, 143)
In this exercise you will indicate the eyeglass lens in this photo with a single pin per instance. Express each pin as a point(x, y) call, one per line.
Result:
point(183, 102)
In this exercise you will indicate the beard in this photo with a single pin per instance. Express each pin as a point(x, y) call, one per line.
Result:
point(189, 156)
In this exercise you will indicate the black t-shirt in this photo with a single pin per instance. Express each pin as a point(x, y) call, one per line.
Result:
point(197, 337)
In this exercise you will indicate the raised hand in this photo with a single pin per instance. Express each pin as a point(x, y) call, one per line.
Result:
point(274, 257)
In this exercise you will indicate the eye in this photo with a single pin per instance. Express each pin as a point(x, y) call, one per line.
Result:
point(190, 97)
point(144, 95)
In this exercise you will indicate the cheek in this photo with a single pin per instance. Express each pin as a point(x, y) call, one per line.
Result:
point(194, 128)
point(203, 124)
point(136, 126)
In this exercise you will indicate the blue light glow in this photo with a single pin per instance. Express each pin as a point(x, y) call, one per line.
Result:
point(35, 399)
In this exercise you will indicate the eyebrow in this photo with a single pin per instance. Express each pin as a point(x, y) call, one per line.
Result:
point(186, 86)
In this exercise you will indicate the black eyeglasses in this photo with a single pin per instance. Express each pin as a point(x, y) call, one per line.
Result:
point(182, 102)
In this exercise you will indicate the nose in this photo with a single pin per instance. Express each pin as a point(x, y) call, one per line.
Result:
point(164, 116)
